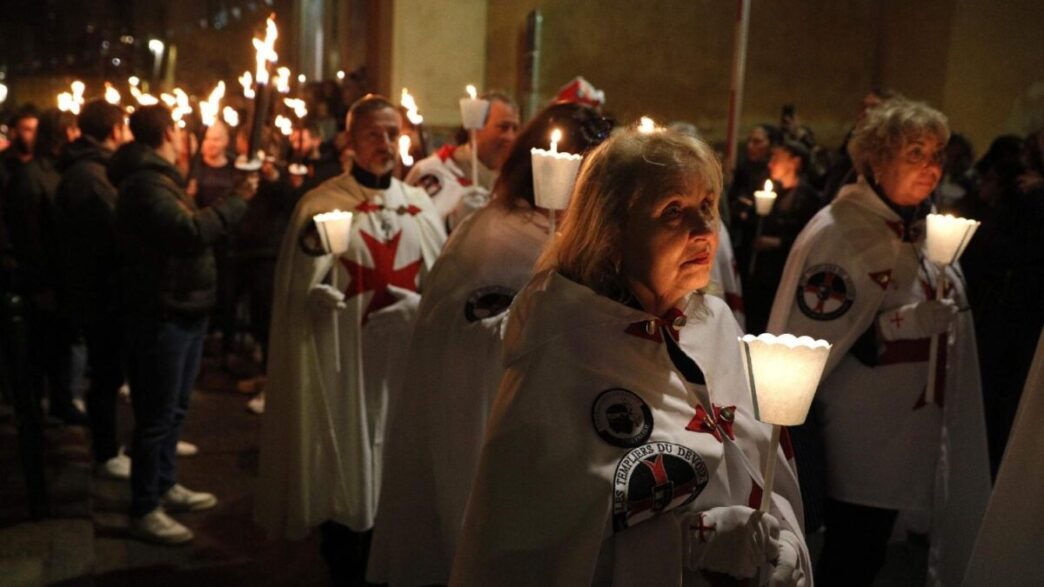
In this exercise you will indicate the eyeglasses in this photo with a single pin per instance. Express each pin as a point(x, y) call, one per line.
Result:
point(918, 155)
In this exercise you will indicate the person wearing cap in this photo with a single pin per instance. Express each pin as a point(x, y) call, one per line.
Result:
point(446, 174)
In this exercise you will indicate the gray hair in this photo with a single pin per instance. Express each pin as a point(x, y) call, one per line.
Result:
point(885, 129)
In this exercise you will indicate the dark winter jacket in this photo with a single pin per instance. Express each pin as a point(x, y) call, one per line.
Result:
point(85, 206)
point(29, 214)
point(164, 240)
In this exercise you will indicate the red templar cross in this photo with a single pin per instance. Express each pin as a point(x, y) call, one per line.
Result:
point(381, 275)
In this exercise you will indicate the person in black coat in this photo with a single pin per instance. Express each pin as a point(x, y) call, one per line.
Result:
point(87, 261)
point(168, 287)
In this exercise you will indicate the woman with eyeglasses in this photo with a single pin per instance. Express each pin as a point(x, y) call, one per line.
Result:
point(858, 277)
point(455, 366)
point(622, 447)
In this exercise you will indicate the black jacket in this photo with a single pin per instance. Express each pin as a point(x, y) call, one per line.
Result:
point(164, 240)
point(85, 216)
point(29, 214)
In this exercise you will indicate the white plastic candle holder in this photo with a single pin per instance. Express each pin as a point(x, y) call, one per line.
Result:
point(334, 231)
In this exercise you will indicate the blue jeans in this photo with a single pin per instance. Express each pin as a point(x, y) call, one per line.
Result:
point(162, 365)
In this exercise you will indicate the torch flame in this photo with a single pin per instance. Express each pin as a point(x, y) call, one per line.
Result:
point(297, 105)
point(77, 92)
point(284, 124)
point(169, 99)
point(231, 116)
point(208, 110)
point(282, 81)
point(66, 103)
point(412, 112)
point(265, 50)
point(646, 125)
point(247, 81)
point(133, 81)
point(112, 95)
point(471, 92)
point(404, 150)
point(143, 99)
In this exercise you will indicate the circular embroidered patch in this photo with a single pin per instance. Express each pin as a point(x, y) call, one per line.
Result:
point(487, 302)
point(655, 478)
point(621, 418)
point(825, 292)
point(431, 184)
point(310, 242)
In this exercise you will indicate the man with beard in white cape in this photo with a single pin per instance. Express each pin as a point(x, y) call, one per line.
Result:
point(857, 276)
point(435, 433)
point(622, 448)
point(323, 427)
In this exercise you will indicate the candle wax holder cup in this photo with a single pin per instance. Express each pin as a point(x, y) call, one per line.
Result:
point(763, 202)
point(248, 165)
point(554, 175)
point(297, 169)
point(473, 112)
point(783, 372)
point(334, 230)
point(946, 238)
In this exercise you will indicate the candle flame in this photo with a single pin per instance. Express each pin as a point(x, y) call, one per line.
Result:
point(133, 81)
point(66, 103)
point(340, 74)
point(231, 116)
point(471, 92)
point(284, 124)
point(646, 125)
point(265, 50)
point(297, 105)
point(404, 150)
point(556, 136)
point(768, 185)
point(282, 81)
point(412, 112)
point(112, 95)
point(247, 81)
point(77, 92)
point(301, 78)
point(208, 109)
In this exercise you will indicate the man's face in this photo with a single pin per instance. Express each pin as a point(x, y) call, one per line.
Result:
point(495, 139)
point(374, 138)
point(215, 142)
point(25, 133)
point(304, 145)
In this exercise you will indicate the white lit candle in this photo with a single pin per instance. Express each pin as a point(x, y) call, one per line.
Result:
point(945, 240)
point(554, 175)
point(783, 372)
point(473, 111)
point(335, 230)
point(764, 198)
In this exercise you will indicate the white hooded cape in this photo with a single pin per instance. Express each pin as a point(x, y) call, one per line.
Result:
point(323, 429)
point(436, 431)
point(1008, 549)
point(884, 446)
point(565, 495)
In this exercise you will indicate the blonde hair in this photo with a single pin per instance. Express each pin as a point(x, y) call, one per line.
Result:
point(631, 166)
point(885, 129)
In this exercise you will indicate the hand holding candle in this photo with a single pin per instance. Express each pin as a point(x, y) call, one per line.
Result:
point(335, 230)
point(473, 112)
point(554, 175)
point(783, 372)
point(945, 240)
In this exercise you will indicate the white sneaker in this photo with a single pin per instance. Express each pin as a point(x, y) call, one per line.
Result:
point(156, 526)
point(257, 404)
point(186, 449)
point(118, 467)
point(181, 499)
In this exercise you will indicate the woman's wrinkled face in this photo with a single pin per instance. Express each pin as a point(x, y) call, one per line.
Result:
point(670, 243)
point(913, 172)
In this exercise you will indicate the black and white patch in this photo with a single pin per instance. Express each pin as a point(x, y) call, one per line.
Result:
point(487, 302)
point(621, 418)
point(825, 292)
point(431, 184)
point(310, 242)
point(655, 478)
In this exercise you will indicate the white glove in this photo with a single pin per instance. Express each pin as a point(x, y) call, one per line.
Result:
point(326, 296)
point(405, 307)
point(787, 571)
point(735, 540)
point(475, 198)
point(918, 320)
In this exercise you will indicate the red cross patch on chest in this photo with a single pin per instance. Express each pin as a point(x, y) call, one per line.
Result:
point(381, 275)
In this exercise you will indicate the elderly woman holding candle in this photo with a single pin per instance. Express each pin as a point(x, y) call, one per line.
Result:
point(435, 437)
point(622, 446)
point(858, 276)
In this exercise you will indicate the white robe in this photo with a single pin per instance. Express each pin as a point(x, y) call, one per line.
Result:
point(322, 432)
point(884, 446)
point(449, 184)
point(725, 276)
point(1009, 546)
point(567, 492)
point(436, 432)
